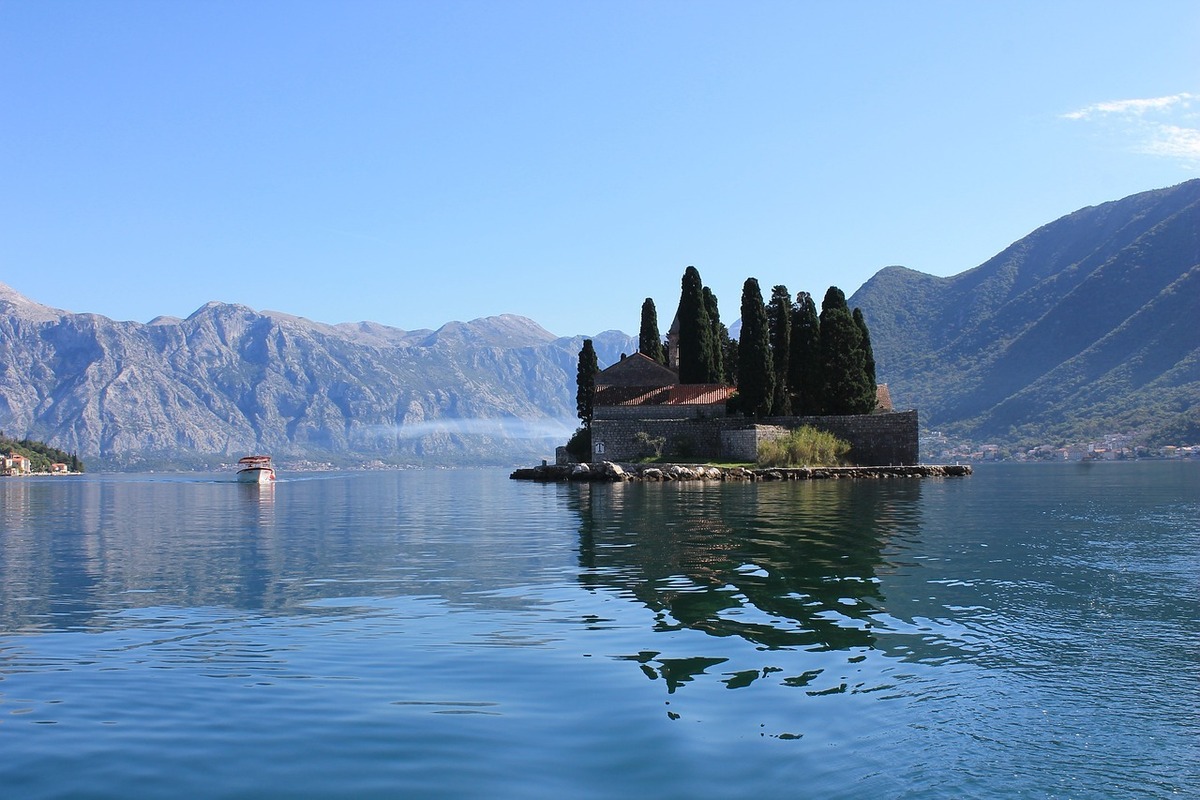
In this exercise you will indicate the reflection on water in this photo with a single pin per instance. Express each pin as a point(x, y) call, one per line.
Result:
point(780, 565)
point(424, 633)
point(75, 551)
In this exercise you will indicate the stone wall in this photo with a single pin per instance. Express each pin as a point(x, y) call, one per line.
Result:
point(875, 439)
point(741, 444)
point(685, 439)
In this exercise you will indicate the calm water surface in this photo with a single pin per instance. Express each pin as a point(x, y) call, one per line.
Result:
point(1030, 631)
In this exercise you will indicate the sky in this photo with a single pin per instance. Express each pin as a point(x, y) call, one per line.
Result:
point(413, 163)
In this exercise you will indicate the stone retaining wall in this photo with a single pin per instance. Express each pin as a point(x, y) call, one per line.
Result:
point(875, 439)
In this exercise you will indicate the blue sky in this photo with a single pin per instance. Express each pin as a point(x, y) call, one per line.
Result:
point(413, 163)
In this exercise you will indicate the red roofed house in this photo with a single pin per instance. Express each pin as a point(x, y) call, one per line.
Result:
point(14, 464)
point(637, 395)
point(640, 409)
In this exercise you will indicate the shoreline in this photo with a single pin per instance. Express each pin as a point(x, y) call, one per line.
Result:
point(607, 471)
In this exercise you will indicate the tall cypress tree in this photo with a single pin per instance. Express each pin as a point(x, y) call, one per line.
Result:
point(695, 332)
point(730, 359)
point(649, 339)
point(842, 359)
point(585, 383)
point(804, 370)
point(720, 338)
point(779, 323)
point(869, 378)
point(756, 372)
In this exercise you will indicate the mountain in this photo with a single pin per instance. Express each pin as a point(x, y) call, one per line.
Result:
point(1089, 325)
point(1086, 326)
point(229, 380)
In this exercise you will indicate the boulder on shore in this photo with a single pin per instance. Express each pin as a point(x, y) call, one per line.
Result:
point(612, 472)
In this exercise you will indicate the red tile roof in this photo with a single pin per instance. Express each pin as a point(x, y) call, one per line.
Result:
point(678, 394)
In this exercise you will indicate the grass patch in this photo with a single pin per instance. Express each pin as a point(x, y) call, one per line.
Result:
point(803, 447)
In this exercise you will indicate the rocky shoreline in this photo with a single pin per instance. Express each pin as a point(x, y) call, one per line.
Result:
point(608, 471)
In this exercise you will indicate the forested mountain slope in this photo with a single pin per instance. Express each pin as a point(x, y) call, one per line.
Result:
point(1089, 325)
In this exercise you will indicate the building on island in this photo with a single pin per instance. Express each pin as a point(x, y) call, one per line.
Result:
point(640, 409)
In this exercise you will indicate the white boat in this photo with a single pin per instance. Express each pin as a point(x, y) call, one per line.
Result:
point(255, 469)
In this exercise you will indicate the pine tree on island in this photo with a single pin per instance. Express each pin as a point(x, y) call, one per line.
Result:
point(788, 360)
point(843, 361)
point(649, 339)
point(585, 383)
point(756, 369)
point(779, 324)
point(720, 337)
point(804, 367)
point(869, 377)
point(696, 362)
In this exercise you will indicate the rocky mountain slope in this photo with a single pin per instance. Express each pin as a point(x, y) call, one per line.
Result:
point(229, 380)
point(1089, 325)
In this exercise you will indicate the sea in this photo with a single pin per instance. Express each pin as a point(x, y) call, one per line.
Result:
point(1029, 631)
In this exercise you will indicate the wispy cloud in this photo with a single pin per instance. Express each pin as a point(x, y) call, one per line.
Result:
point(1166, 126)
point(496, 427)
point(1137, 107)
point(1175, 142)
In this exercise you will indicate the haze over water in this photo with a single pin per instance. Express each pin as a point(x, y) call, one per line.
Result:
point(1027, 631)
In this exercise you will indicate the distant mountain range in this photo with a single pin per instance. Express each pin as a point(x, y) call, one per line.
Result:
point(1089, 325)
point(228, 381)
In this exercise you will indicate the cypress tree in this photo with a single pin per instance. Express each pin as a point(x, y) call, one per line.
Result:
point(804, 368)
point(779, 322)
point(869, 378)
point(649, 339)
point(731, 359)
point(720, 338)
point(695, 332)
point(756, 372)
point(585, 383)
point(842, 360)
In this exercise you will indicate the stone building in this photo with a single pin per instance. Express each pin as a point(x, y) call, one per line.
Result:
point(640, 410)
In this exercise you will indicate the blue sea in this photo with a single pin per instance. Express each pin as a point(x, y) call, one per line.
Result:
point(1029, 631)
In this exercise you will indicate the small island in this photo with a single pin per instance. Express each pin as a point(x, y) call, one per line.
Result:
point(611, 472)
point(795, 397)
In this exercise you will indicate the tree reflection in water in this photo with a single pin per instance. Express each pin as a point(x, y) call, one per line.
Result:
point(783, 566)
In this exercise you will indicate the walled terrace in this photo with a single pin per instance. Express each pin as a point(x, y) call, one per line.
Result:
point(612, 472)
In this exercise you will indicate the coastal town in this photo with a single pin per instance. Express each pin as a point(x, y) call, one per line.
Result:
point(14, 465)
point(938, 447)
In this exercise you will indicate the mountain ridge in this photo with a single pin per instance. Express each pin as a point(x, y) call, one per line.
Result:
point(1085, 326)
point(1039, 341)
point(229, 379)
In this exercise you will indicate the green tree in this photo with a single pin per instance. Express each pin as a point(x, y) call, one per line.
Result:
point(649, 339)
point(40, 454)
point(585, 383)
point(696, 364)
point(720, 338)
point(842, 360)
point(804, 368)
point(756, 372)
point(730, 359)
point(779, 324)
point(869, 378)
